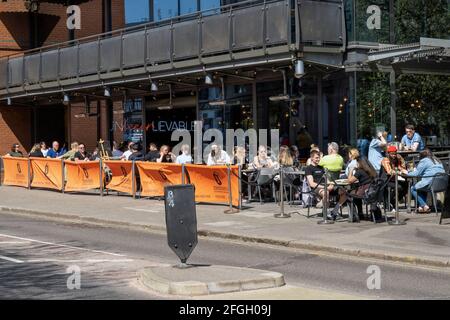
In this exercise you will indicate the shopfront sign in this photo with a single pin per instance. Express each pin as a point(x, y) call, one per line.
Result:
point(374, 20)
point(73, 18)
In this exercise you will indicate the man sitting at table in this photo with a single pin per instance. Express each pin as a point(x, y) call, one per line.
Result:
point(412, 141)
point(333, 161)
point(389, 165)
point(314, 173)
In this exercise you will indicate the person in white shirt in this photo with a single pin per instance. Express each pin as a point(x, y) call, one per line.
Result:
point(128, 153)
point(185, 156)
point(217, 156)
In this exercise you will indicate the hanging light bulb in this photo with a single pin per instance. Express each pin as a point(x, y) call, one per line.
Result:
point(154, 86)
point(208, 79)
point(299, 69)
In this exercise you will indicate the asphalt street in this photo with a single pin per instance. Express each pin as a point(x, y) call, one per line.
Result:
point(38, 259)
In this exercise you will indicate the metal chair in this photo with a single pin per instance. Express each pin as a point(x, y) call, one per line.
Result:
point(438, 184)
point(263, 177)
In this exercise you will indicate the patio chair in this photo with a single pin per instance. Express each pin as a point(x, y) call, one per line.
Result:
point(261, 178)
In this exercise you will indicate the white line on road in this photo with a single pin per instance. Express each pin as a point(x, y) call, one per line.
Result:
point(11, 259)
point(14, 242)
point(80, 260)
point(61, 245)
point(145, 210)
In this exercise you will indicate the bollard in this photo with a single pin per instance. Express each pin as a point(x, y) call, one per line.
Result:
point(325, 202)
point(397, 221)
point(281, 214)
point(231, 210)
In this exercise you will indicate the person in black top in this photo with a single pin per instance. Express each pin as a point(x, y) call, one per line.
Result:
point(36, 151)
point(360, 176)
point(153, 153)
point(81, 154)
point(15, 152)
point(136, 153)
point(314, 174)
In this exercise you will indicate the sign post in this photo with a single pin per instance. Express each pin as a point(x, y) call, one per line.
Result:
point(181, 220)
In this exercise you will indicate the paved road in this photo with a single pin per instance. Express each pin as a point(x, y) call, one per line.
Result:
point(35, 255)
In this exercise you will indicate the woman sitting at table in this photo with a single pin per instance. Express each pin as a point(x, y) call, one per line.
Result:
point(428, 167)
point(360, 176)
point(262, 160)
point(394, 162)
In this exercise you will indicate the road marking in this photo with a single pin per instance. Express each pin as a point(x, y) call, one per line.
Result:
point(62, 245)
point(145, 210)
point(80, 260)
point(11, 259)
point(14, 242)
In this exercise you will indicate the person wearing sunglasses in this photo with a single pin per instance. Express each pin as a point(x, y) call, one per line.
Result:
point(15, 151)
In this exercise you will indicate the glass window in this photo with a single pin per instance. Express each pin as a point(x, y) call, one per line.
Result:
point(188, 6)
point(208, 5)
point(137, 11)
point(165, 9)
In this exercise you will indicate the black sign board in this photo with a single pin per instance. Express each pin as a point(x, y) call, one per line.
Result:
point(181, 219)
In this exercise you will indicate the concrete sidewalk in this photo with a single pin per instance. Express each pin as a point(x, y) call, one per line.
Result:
point(422, 241)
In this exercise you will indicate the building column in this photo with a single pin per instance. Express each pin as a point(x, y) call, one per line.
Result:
point(393, 104)
point(353, 108)
point(320, 113)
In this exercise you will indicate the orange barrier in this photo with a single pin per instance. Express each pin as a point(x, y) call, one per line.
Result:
point(211, 183)
point(82, 175)
point(47, 173)
point(122, 176)
point(154, 176)
point(16, 172)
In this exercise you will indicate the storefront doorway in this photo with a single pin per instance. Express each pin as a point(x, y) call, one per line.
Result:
point(50, 124)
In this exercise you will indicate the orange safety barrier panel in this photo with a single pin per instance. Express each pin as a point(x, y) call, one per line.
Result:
point(154, 176)
point(211, 183)
point(122, 176)
point(82, 175)
point(47, 173)
point(15, 171)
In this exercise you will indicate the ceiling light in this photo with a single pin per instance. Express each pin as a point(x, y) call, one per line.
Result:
point(8, 101)
point(107, 92)
point(208, 79)
point(154, 86)
point(165, 108)
point(299, 69)
point(66, 98)
point(280, 97)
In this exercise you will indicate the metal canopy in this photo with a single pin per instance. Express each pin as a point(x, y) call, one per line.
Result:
point(429, 56)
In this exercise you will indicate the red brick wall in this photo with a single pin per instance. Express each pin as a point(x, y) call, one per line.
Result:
point(12, 41)
point(15, 127)
point(83, 129)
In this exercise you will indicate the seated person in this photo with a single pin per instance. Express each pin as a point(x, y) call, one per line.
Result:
point(333, 161)
point(262, 160)
point(314, 174)
point(36, 151)
point(316, 148)
point(353, 155)
point(81, 154)
point(393, 162)
point(185, 156)
point(239, 156)
point(412, 141)
point(69, 155)
point(165, 156)
point(428, 167)
point(15, 151)
point(360, 176)
point(217, 156)
point(136, 153)
point(153, 153)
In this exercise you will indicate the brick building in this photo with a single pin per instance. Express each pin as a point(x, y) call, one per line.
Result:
point(30, 123)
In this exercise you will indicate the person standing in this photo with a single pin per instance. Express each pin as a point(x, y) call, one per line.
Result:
point(376, 148)
point(412, 141)
point(55, 152)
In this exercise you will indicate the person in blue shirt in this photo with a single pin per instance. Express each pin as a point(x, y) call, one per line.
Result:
point(412, 141)
point(428, 167)
point(55, 152)
point(376, 148)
